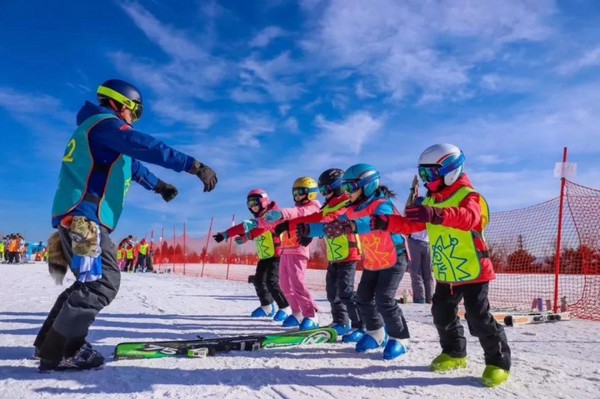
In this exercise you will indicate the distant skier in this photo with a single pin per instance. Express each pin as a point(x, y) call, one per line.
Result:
point(101, 159)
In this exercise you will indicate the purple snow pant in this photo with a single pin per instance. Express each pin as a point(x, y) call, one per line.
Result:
point(291, 279)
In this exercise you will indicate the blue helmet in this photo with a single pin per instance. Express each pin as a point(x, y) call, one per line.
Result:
point(124, 93)
point(363, 176)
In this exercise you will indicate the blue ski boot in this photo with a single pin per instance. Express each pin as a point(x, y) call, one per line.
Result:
point(353, 336)
point(281, 315)
point(291, 321)
point(395, 348)
point(309, 323)
point(372, 340)
point(264, 311)
point(341, 329)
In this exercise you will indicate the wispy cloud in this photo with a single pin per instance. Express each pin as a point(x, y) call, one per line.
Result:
point(591, 58)
point(266, 36)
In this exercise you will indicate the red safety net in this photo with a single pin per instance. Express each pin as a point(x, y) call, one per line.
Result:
point(523, 249)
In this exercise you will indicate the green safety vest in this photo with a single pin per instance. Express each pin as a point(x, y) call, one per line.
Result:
point(75, 171)
point(454, 257)
point(338, 248)
point(143, 249)
point(265, 245)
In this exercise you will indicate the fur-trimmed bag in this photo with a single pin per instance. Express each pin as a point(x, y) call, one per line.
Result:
point(57, 262)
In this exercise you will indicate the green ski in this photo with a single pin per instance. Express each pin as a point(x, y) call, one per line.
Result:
point(212, 346)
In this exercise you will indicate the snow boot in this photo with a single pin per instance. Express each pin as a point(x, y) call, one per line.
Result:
point(372, 340)
point(494, 376)
point(291, 321)
point(86, 358)
point(395, 348)
point(445, 362)
point(263, 311)
point(309, 323)
point(353, 336)
point(341, 329)
point(281, 315)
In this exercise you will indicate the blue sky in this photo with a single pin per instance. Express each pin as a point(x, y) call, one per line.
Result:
point(267, 91)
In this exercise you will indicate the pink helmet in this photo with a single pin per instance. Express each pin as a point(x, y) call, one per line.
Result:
point(261, 195)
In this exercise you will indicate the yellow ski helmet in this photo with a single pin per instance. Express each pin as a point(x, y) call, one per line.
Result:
point(306, 186)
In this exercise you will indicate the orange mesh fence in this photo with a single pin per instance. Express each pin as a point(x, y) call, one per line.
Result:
point(522, 247)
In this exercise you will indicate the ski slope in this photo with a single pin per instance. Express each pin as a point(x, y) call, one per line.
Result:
point(559, 360)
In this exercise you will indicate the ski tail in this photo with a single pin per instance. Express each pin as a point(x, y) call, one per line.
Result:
point(535, 318)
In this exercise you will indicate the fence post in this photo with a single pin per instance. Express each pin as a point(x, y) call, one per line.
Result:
point(205, 252)
point(229, 251)
point(559, 233)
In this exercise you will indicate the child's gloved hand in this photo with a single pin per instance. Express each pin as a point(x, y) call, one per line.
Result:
point(220, 236)
point(305, 241)
point(338, 228)
point(425, 214)
point(380, 222)
point(273, 216)
point(282, 228)
point(302, 230)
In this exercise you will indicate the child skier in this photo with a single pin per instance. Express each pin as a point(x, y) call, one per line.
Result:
point(294, 256)
point(266, 280)
point(343, 254)
point(455, 216)
point(384, 264)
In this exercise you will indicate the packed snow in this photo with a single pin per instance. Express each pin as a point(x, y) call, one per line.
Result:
point(558, 360)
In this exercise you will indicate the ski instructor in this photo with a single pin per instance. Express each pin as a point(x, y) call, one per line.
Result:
point(101, 159)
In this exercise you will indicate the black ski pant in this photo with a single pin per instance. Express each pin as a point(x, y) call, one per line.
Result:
point(266, 282)
point(376, 298)
point(341, 295)
point(479, 319)
point(76, 308)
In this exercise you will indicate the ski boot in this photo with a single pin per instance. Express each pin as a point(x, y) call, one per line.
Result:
point(395, 348)
point(263, 311)
point(340, 329)
point(353, 336)
point(309, 323)
point(372, 340)
point(291, 321)
point(281, 315)
point(445, 362)
point(494, 376)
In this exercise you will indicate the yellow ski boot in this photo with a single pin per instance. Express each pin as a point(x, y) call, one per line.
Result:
point(446, 362)
point(494, 376)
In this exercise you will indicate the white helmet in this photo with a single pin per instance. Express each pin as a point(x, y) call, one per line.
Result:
point(441, 160)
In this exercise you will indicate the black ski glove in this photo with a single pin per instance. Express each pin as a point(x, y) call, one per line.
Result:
point(167, 191)
point(282, 228)
point(204, 173)
point(220, 236)
point(305, 241)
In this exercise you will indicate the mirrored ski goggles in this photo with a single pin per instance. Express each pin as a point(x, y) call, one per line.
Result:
point(429, 173)
point(351, 186)
point(302, 191)
point(253, 202)
point(329, 188)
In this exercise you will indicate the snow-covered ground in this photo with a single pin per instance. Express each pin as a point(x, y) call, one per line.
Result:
point(560, 360)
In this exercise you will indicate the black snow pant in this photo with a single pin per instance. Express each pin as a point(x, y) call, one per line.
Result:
point(266, 282)
point(75, 310)
point(376, 298)
point(341, 294)
point(479, 319)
